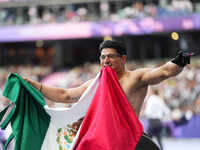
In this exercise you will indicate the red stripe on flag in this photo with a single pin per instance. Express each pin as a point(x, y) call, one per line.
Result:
point(110, 123)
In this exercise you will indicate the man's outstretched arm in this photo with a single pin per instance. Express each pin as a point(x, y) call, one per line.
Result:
point(157, 75)
point(60, 95)
point(170, 69)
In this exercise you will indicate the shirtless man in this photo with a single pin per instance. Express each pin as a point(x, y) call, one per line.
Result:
point(134, 83)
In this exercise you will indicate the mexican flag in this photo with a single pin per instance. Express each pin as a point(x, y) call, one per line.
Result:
point(102, 119)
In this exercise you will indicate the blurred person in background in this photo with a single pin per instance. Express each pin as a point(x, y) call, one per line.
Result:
point(182, 6)
point(2, 139)
point(4, 133)
point(156, 111)
point(133, 82)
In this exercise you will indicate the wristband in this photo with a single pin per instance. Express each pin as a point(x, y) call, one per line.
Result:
point(40, 87)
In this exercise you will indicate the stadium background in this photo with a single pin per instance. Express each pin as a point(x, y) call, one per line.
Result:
point(56, 42)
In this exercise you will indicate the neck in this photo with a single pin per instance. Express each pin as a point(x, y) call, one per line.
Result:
point(120, 73)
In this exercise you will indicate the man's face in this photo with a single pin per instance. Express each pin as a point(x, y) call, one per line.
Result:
point(110, 57)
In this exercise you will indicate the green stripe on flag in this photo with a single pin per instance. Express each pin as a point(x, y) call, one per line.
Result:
point(28, 119)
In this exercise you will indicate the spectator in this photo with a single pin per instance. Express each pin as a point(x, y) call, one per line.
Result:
point(156, 110)
point(184, 6)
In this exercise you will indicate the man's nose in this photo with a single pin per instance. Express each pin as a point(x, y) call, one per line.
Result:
point(107, 58)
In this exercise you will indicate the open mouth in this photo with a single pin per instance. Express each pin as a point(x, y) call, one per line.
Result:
point(107, 65)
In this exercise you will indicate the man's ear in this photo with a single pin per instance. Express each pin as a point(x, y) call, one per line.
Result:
point(124, 57)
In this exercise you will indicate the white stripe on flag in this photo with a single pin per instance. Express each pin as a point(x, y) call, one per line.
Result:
point(60, 133)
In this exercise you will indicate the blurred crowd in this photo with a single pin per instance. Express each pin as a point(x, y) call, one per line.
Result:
point(95, 12)
point(141, 10)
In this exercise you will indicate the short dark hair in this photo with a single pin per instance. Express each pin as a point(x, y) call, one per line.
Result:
point(118, 46)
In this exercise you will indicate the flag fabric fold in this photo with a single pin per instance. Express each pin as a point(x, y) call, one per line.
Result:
point(109, 122)
point(28, 119)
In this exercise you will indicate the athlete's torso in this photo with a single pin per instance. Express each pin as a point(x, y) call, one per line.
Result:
point(135, 94)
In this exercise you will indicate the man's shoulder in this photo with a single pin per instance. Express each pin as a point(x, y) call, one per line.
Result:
point(134, 78)
point(139, 71)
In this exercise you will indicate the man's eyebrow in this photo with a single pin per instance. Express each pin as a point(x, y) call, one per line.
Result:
point(108, 53)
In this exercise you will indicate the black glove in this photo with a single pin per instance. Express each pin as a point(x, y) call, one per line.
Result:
point(182, 59)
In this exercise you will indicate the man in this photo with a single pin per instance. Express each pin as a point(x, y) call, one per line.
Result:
point(133, 82)
point(155, 111)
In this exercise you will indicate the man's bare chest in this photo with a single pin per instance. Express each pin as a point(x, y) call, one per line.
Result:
point(133, 92)
point(134, 95)
point(128, 86)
